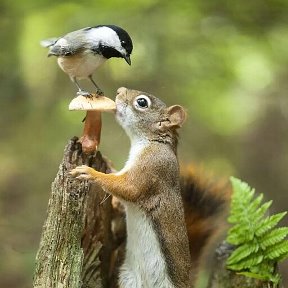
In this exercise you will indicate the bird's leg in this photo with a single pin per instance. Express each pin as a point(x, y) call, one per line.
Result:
point(80, 91)
point(98, 90)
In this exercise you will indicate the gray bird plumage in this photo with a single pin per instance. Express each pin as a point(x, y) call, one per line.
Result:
point(82, 51)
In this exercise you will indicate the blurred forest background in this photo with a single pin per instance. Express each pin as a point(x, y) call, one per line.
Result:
point(225, 61)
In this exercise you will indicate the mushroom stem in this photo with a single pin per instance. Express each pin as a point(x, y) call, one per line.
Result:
point(94, 105)
point(90, 139)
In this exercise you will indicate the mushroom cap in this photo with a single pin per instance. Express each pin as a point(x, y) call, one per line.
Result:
point(93, 103)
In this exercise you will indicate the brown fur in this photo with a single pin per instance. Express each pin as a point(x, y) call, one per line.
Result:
point(206, 202)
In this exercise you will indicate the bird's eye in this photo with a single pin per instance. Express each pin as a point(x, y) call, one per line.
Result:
point(142, 102)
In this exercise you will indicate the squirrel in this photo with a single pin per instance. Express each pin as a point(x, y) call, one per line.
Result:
point(170, 218)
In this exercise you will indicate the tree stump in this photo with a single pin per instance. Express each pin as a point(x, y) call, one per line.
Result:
point(77, 244)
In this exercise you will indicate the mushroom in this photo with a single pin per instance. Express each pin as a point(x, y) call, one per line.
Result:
point(94, 105)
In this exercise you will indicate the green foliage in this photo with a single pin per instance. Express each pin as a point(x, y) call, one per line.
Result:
point(259, 245)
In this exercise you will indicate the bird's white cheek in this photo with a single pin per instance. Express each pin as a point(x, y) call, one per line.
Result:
point(62, 42)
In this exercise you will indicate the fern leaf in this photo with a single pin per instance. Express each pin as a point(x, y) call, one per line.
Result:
point(268, 223)
point(241, 188)
point(263, 277)
point(242, 252)
point(236, 239)
point(273, 237)
point(259, 244)
point(261, 211)
point(284, 256)
point(241, 191)
point(265, 267)
point(255, 204)
point(250, 261)
point(277, 252)
point(239, 234)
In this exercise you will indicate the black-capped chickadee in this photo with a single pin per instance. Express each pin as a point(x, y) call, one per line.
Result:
point(82, 51)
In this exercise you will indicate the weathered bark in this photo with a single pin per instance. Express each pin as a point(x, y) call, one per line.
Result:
point(76, 242)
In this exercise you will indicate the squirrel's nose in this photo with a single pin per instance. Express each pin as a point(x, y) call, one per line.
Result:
point(122, 90)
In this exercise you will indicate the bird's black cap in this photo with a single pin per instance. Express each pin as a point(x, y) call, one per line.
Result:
point(124, 37)
point(109, 52)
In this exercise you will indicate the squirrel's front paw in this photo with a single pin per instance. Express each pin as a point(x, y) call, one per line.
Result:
point(82, 172)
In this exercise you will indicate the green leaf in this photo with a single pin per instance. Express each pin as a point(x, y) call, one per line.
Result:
point(235, 239)
point(259, 245)
point(265, 267)
point(273, 237)
point(242, 252)
point(264, 277)
point(241, 190)
point(255, 204)
point(240, 233)
point(250, 261)
point(268, 223)
point(282, 257)
point(277, 252)
point(261, 211)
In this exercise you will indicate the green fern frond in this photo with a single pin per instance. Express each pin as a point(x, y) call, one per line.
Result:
point(268, 223)
point(263, 277)
point(264, 268)
point(273, 237)
point(254, 205)
point(260, 212)
point(239, 234)
point(277, 251)
point(283, 257)
point(255, 275)
point(259, 245)
point(246, 263)
point(242, 252)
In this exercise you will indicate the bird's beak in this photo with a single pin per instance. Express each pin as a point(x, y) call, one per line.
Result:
point(127, 59)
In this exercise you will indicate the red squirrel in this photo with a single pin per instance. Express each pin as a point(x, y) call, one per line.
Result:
point(169, 218)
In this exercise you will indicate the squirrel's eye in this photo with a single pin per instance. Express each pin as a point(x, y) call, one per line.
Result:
point(142, 102)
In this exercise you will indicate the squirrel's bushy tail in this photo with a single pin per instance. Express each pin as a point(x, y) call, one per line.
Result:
point(206, 204)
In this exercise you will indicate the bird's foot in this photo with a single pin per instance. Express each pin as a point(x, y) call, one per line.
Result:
point(99, 92)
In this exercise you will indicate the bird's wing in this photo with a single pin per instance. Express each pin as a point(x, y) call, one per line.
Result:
point(69, 44)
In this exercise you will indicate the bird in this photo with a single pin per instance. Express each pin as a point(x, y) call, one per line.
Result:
point(81, 52)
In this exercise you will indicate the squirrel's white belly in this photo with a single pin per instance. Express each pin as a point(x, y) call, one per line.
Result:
point(144, 265)
point(80, 66)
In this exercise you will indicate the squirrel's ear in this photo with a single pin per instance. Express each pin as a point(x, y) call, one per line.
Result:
point(176, 116)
